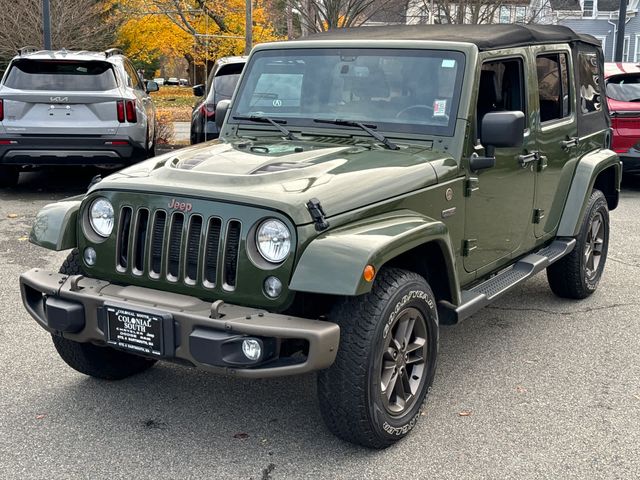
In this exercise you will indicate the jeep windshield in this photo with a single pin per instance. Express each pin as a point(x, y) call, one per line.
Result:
point(394, 90)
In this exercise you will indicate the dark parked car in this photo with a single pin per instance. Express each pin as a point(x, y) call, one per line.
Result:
point(623, 98)
point(220, 86)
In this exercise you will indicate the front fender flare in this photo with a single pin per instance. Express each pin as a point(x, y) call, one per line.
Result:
point(55, 226)
point(583, 181)
point(334, 262)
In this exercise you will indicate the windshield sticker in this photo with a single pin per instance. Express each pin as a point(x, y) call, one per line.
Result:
point(439, 108)
point(448, 63)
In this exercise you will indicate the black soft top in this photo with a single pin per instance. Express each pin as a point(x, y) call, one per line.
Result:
point(486, 37)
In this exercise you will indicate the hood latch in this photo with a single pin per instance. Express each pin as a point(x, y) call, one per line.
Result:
point(317, 214)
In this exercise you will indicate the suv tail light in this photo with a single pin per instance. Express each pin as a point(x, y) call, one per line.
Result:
point(208, 110)
point(130, 107)
point(1, 110)
point(120, 107)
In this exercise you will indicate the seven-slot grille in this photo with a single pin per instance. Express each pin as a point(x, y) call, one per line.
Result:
point(178, 247)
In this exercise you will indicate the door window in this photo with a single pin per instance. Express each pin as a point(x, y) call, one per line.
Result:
point(134, 79)
point(589, 77)
point(501, 88)
point(553, 86)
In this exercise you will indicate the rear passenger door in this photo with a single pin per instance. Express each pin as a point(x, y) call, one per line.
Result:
point(556, 136)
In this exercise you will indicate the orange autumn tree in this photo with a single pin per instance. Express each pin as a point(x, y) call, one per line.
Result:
point(198, 30)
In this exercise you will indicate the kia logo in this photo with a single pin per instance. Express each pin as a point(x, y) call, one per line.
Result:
point(182, 206)
point(59, 99)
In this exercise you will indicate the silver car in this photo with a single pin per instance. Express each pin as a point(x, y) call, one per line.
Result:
point(73, 108)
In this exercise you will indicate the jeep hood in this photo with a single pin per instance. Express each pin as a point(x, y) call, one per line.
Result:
point(285, 175)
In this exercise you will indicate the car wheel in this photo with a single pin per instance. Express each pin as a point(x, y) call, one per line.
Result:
point(93, 360)
point(373, 394)
point(577, 275)
point(9, 176)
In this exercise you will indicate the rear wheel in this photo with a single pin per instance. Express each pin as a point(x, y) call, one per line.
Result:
point(373, 394)
point(94, 360)
point(577, 275)
point(9, 176)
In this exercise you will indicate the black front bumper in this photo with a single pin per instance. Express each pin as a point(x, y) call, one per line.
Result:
point(198, 333)
point(55, 150)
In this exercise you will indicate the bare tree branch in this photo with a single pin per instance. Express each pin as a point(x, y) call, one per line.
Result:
point(75, 24)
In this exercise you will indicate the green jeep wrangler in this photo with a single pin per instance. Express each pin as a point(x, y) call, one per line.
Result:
point(369, 185)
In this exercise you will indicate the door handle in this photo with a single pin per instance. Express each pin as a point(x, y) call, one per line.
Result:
point(569, 143)
point(525, 160)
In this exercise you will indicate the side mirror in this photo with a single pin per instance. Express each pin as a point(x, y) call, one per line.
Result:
point(221, 111)
point(499, 130)
point(502, 130)
point(152, 86)
point(198, 90)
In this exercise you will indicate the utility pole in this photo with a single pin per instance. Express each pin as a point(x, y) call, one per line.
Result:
point(46, 24)
point(622, 17)
point(248, 28)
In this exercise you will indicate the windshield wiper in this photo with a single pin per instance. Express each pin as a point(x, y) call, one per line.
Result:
point(275, 122)
point(366, 127)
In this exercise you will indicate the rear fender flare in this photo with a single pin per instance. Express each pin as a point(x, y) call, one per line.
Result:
point(584, 179)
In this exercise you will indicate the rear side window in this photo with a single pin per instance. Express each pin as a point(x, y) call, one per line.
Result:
point(61, 75)
point(224, 85)
point(589, 78)
point(553, 86)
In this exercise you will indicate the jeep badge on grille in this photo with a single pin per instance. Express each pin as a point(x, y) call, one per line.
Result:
point(182, 206)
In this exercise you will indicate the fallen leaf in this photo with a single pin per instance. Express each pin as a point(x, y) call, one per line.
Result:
point(40, 416)
point(521, 389)
point(241, 435)
point(23, 239)
point(637, 397)
point(465, 413)
point(12, 215)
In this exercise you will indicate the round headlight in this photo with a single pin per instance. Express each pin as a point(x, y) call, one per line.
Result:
point(273, 240)
point(101, 217)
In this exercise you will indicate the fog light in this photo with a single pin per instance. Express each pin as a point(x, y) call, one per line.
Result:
point(90, 256)
point(252, 349)
point(272, 287)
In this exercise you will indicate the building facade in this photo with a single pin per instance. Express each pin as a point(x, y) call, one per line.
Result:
point(600, 19)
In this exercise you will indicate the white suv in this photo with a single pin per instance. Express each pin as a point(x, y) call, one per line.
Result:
point(73, 108)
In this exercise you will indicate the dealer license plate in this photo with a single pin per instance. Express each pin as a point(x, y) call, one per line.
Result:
point(135, 330)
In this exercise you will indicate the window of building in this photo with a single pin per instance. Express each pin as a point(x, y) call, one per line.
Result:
point(505, 14)
point(625, 49)
point(553, 86)
point(587, 8)
point(636, 53)
point(521, 14)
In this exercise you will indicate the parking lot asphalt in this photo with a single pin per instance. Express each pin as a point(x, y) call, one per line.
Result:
point(532, 387)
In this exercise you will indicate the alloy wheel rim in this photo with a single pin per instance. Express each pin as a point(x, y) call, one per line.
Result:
point(403, 367)
point(594, 246)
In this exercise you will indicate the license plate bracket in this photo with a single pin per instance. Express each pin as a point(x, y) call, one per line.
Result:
point(139, 330)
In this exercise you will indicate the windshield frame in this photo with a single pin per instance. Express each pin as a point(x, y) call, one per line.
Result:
point(392, 129)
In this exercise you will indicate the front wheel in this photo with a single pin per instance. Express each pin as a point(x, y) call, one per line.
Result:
point(577, 275)
point(93, 360)
point(373, 394)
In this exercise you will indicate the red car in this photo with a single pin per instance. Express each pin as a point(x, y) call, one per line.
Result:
point(623, 98)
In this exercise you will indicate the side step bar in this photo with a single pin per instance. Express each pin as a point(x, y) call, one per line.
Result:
point(486, 292)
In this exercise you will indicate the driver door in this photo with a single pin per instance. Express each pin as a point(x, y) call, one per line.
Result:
point(499, 203)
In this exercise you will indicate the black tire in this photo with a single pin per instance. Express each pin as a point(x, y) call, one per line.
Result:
point(577, 275)
point(8, 176)
point(351, 392)
point(94, 360)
